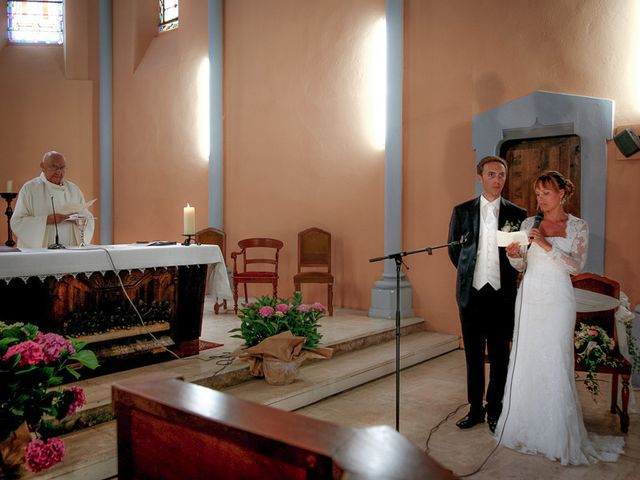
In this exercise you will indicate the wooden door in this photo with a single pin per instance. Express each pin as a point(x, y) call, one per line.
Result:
point(529, 158)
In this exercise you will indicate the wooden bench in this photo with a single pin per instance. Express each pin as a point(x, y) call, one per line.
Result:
point(168, 428)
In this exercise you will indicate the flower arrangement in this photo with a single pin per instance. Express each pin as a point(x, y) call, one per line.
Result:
point(593, 346)
point(31, 362)
point(269, 316)
point(510, 226)
point(624, 315)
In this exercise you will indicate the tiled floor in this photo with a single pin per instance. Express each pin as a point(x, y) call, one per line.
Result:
point(433, 389)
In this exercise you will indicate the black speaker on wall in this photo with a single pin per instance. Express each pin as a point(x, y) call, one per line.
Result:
point(628, 142)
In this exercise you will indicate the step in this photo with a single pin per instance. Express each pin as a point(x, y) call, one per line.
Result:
point(215, 369)
point(325, 378)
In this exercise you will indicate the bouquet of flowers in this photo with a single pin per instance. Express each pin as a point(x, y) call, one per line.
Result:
point(593, 347)
point(510, 226)
point(31, 363)
point(269, 316)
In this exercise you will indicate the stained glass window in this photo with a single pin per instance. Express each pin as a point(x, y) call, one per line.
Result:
point(168, 15)
point(35, 21)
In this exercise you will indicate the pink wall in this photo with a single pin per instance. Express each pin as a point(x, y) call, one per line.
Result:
point(463, 61)
point(296, 153)
point(157, 168)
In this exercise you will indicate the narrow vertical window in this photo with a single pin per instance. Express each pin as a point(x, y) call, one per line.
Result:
point(35, 21)
point(168, 15)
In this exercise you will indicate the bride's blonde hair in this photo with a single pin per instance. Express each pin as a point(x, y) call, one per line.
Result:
point(556, 181)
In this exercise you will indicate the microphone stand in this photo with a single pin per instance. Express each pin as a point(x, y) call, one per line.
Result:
point(57, 245)
point(397, 258)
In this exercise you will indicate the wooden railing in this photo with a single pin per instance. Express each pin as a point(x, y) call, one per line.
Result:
point(168, 428)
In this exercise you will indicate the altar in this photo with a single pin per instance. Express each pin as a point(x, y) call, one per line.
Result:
point(113, 297)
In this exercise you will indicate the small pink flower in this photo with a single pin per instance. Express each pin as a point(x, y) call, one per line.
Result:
point(30, 352)
point(53, 345)
point(593, 332)
point(41, 455)
point(248, 305)
point(283, 307)
point(303, 307)
point(266, 312)
point(319, 307)
point(78, 398)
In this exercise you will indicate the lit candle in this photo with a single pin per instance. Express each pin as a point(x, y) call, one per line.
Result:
point(189, 220)
point(9, 186)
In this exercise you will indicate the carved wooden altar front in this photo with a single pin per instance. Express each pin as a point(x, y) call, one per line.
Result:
point(91, 306)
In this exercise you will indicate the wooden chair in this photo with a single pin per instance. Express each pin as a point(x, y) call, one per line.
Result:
point(255, 246)
point(606, 320)
point(213, 236)
point(314, 250)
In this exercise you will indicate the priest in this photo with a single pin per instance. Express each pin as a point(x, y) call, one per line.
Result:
point(33, 220)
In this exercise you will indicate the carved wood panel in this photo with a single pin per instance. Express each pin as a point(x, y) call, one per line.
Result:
point(527, 159)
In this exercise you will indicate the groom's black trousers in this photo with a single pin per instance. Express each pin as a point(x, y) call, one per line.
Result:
point(487, 320)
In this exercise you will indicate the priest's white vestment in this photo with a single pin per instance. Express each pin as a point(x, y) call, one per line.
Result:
point(29, 220)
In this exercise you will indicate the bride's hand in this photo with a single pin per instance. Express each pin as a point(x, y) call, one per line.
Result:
point(513, 250)
point(536, 236)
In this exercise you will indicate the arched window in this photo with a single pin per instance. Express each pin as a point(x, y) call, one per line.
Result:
point(168, 15)
point(35, 21)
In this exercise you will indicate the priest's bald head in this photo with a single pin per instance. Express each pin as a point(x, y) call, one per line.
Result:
point(53, 166)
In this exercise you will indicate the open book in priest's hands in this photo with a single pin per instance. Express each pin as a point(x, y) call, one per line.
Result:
point(75, 207)
point(506, 238)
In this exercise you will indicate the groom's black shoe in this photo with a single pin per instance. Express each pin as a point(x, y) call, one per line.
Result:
point(470, 420)
point(493, 423)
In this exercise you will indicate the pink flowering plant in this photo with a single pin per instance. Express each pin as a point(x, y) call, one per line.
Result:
point(270, 316)
point(593, 349)
point(33, 366)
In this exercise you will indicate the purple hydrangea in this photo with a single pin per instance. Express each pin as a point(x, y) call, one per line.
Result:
point(53, 345)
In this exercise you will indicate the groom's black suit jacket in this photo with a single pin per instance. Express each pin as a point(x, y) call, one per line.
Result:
point(465, 220)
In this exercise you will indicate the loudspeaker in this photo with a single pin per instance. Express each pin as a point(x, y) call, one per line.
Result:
point(628, 142)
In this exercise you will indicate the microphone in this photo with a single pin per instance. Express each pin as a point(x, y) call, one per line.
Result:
point(55, 246)
point(538, 220)
point(536, 223)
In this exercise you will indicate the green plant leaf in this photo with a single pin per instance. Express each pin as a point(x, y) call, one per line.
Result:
point(86, 358)
point(73, 373)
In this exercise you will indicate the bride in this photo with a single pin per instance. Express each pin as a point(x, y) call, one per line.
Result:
point(542, 413)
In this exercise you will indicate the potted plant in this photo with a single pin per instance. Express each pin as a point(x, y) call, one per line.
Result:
point(33, 365)
point(279, 334)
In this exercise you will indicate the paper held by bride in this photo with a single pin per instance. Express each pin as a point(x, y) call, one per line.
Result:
point(506, 238)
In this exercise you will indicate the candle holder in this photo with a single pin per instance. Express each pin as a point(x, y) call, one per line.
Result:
point(187, 242)
point(9, 196)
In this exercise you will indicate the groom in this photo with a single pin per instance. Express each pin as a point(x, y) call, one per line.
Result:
point(485, 289)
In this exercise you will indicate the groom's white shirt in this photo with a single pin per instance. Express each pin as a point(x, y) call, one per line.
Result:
point(487, 269)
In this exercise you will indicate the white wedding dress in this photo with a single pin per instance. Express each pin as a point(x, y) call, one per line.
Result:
point(541, 411)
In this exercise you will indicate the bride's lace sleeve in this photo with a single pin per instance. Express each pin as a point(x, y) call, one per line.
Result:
point(574, 260)
point(518, 262)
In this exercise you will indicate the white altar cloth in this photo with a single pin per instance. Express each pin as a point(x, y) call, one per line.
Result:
point(41, 262)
